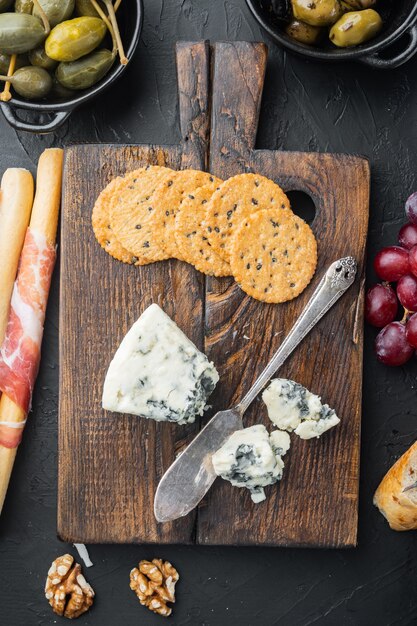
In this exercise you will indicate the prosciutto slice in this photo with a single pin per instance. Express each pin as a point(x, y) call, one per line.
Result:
point(21, 348)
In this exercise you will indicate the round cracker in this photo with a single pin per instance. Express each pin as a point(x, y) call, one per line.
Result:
point(132, 217)
point(273, 255)
point(238, 198)
point(102, 229)
point(190, 234)
point(167, 199)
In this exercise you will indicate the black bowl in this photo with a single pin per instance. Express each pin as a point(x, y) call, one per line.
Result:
point(131, 19)
point(400, 19)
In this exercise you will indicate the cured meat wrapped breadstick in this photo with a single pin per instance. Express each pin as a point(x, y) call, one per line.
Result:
point(20, 351)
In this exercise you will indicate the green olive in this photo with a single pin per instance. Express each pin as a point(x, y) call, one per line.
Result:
point(56, 10)
point(23, 6)
point(359, 4)
point(304, 33)
point(84, 7)
point(75, 38)
point(20, 33)
point(355, 28)
point(85, 72)
point(317, 12)
point(39, 58)
point(21, 61)
point(5, 5)
point(30, 82)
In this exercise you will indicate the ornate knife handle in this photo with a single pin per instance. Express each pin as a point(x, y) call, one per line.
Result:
point(338, 278)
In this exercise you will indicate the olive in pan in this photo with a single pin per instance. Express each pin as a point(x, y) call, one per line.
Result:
point(355, 28)
point(21, 61)
point(39, 58)
point(31, 82)
point(75, 38)
point(317, 12)
point(304, 33)
point(84, 7)
point(85, 72)
point(56, 10)
point(20, 33)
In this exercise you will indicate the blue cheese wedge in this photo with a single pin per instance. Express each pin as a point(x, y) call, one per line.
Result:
point(292, 407)
point(251, 458)
point(158, 373)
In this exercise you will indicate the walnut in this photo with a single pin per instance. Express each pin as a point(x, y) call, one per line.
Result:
point(67, 590)
point(154, 584)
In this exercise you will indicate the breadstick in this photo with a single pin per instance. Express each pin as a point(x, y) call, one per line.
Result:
point(43, 223)
point(16, 199)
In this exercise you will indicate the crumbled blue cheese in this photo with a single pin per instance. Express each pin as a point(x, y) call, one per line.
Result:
point(158, 373)
point(292, 407)
point(251, 458)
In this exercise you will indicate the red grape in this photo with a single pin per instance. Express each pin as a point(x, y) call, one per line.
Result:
point(391, 345)
point(411, 208)
point(407, 292)
point(381, 305)
point(391, 263)
point(407, 237)
point(411, 331)
point(412, 258)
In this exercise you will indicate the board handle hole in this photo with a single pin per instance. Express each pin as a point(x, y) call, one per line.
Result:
point(302, 205)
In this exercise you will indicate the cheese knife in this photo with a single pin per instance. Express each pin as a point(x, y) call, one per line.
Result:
point(191, 475)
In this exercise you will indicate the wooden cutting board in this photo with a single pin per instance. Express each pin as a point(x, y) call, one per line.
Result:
point(110, 465)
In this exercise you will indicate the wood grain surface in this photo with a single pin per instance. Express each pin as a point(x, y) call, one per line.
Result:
point(109, 466)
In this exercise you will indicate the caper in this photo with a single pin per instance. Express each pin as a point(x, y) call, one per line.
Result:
point(355, 28)
point(75, 38)
point(359, 4)
point(21, 61)
point(23, 6)
point(39, 58)
point(317, 13)
point(304, 33)
point(85, 72)
point(5, 5)
point(84, 7)
point(30, 82)
point(56, 10)
point(20, 33)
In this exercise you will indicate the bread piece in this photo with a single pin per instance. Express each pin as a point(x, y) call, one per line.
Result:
point(399, 507)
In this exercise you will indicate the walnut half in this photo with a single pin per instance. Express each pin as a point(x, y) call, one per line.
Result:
point(154, 584)
point(66, 589)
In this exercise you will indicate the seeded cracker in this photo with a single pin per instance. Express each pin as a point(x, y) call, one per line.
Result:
point(237, 198)
point(167, 199)
point(132, 217)
point(103, 231)
point(191, 237)
point(273, 255)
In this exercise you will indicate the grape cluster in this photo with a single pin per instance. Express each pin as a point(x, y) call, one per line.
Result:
point(397, 341)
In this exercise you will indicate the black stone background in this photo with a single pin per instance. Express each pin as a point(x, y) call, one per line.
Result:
point(306, 106)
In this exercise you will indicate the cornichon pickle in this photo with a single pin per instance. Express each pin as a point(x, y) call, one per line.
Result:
point(304, 33)
point(56, 10)
point(317, 12)
point(75, 38)
point(30, 82)
point(23, 6)
point(85, 72)
point(39, 58)
point(84, 7)
point(20, 33)
point(5, 5)
point(355, 28)
point(21, 61)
